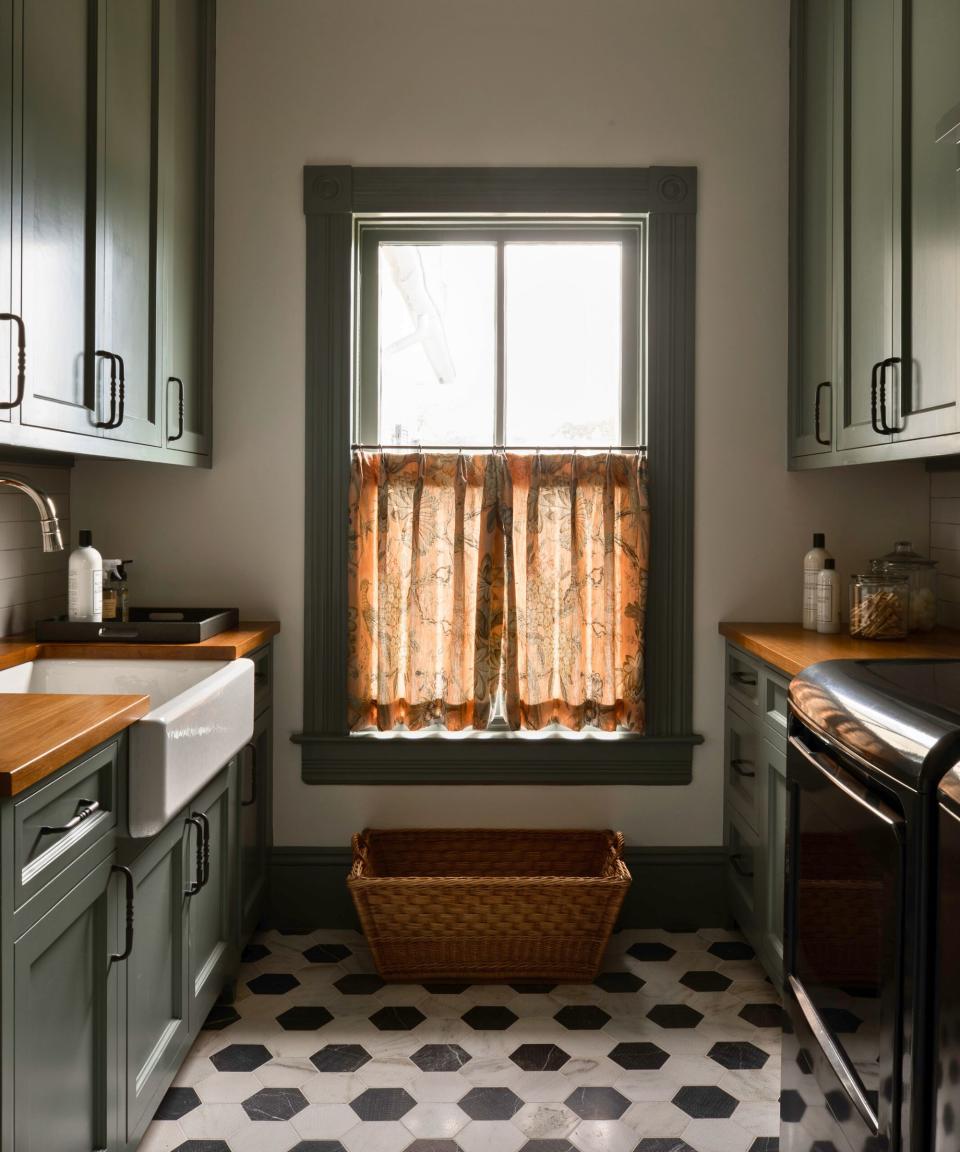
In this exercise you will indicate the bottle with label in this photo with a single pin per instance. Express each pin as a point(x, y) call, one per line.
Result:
point(828, 597)
point(85, 582)
point(115, 601)
point(813, 563)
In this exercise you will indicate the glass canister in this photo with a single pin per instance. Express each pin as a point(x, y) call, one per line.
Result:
point(921, 575)
point(879, 606)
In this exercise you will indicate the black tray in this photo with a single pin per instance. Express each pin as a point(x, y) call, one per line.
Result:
point(174, 626)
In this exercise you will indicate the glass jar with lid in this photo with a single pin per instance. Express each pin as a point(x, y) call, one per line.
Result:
point(879, 606)
point(921, 576)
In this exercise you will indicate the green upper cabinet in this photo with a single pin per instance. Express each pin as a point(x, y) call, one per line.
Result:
point(814, 196)
point(7, 343)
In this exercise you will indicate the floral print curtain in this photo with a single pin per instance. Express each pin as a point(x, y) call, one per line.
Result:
point(475, 578)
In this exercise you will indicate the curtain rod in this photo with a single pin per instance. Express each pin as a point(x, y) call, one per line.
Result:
point(495, 448)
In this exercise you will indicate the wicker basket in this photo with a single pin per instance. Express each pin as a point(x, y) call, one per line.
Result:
point(485, 905)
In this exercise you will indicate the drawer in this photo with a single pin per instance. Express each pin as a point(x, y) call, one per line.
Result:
point(262, 678)
point(775, 690)
point(741, 756)
point(743, 678)
point(57, 822)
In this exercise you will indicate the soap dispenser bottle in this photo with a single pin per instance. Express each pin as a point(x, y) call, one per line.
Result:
point(85, 582)
point(813, 564)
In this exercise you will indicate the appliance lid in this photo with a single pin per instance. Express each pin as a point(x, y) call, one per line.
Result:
point(901, 716)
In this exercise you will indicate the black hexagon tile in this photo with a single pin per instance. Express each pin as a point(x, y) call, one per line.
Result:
point(792, 1106)
point(176, 1103)
point(637, 1054)
point(304, 1018)
point(240, 1058)
point(706, 1102)
point(547, 1146)
point(327, 953)
point(359, 984)
point(203, 1146)
point(383, 1104)
point(731, 950)
point(433, 1146)
point(597, 1103)
point(675, 1016)
point(318, 1146)
point(340, 1058)
point(663, 1144)
point(708, 981)
point(489, 1018)
point(539, 1057)
point(735, 1054)
point(491, 1104)
point(445, 989)
point(581, 1017)
point(219, 1017)
point(254, 952)
point(765, 1144)
point(763, 1015)
point(619, 982)
point(440, 1058)
point(533, 989)
point(275, 1104)
point(650, 950)
point(273, 983)
point(401, 1018)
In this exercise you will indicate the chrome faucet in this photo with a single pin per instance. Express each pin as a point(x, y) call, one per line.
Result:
point(49, 524)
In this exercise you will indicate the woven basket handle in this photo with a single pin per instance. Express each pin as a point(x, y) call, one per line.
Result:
point(614, 851)
point(360, 843)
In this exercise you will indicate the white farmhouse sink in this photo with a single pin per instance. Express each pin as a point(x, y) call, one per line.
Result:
point(201, 714)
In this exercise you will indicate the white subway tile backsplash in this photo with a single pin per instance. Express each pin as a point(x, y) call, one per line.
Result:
point(33, 583)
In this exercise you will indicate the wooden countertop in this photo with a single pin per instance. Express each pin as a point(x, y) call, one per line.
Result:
point(42, 732)
point(791, 647)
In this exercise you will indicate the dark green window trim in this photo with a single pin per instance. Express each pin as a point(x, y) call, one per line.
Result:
point(334, 196)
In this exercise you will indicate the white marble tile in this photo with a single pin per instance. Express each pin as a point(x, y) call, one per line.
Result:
point(491, 1136)
point(333, 1087)
point(717, 1136)
point(228, 1087)
point(655, 1118)
point(438, 1087)
point(276, 1136)
point(162, 1136)
point(435, 1121)
point(325, 1121)
point(381, 1136)
point(603, 1136)
point(214, 1122)
point(546, 1121)
point(286, 1072)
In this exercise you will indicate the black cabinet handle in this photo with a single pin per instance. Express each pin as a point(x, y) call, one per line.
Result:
point(128, 942)
point(179, 383)
point(6, 405)
point(884, 365)
point(874, 421)
point(205, 855)
point(103, 355)
point(745, 678)
point(123, 391)
point(198, 881)
point(816, 414)
point(90, 808)
point(739, 766)
point(253, 776)
point(736, 863)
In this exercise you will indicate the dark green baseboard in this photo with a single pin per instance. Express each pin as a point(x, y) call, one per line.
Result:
point(676, 888)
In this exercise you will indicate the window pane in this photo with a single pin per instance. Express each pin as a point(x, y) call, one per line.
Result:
point(437, 331)
point(563, 352)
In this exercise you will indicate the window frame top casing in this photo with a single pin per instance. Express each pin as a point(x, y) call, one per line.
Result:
point(335, 198)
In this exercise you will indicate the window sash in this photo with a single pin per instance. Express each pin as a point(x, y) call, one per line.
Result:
point(631, 236)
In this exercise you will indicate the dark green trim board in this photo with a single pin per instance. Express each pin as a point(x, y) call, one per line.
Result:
point(335, 198)
point(673, 888)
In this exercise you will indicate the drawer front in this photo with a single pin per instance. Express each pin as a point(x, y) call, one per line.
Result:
point(56, 823)
point(741, 755)
point(262, 678)
point(775, 689)
point(743, 679)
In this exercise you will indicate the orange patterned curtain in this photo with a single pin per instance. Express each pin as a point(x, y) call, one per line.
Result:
point(474, 573)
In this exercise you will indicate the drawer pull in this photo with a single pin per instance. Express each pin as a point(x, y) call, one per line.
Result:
point(199, 875)
point(736, 859)
point(6, 405)
point(739, 766)
point(748, 679)
point(90, 807)
point(128, 940)
point(253, 776)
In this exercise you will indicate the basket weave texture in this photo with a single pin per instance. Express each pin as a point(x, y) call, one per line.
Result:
point(488, 905)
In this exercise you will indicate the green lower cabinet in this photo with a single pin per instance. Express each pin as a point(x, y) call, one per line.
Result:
point(65, 1035)
point(773, 775)
point(256, 787)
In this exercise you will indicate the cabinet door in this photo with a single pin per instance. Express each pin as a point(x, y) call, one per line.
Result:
point(255, 786)
point(816, 236)
point(126, 241)
point(7, 343)
point(185, 104)
point(211, 914)
point(155, 989)
point(873, 65)
point(64, 1035)
point(931, 396)
point(774, 789)
point(55, 237)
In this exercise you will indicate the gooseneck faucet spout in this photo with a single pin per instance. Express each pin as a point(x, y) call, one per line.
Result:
point(49, 524)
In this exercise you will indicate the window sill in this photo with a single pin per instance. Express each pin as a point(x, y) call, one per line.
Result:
point(496, 759)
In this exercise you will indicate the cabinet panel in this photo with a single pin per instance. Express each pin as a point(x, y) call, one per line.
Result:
point(55, 236)
point(934, 379)
point(7, 341)
point(126, 241)
point(64, 1040)
point(774, 788)
point(873, 51)
point(255, 786)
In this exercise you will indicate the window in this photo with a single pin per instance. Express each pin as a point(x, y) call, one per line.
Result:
point(463, 309)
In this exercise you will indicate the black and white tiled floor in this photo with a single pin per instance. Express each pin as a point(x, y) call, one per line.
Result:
point(676, 1048)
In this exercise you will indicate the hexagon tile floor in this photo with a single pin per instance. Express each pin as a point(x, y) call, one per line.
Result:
point(675, 1048)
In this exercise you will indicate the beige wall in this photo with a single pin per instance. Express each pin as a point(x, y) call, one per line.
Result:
point(616, 82)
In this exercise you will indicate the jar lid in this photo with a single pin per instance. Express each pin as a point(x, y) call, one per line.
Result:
point(904, 556)
point(878, 579)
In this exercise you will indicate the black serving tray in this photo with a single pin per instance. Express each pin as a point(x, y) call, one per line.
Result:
point(145, 626)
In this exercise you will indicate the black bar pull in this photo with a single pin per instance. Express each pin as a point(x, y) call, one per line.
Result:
point(179, 383)
point(746, 678)
point(739, 766)
point(874, 421)
point(736, 861)
point(111, 423)
point(884, 365)
point(816, 414)
point(128, 942)
point(90, 808)
point(123, 391)
point(13, 318)
point(205, 854)
point(197, 883)
point(253, 776)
